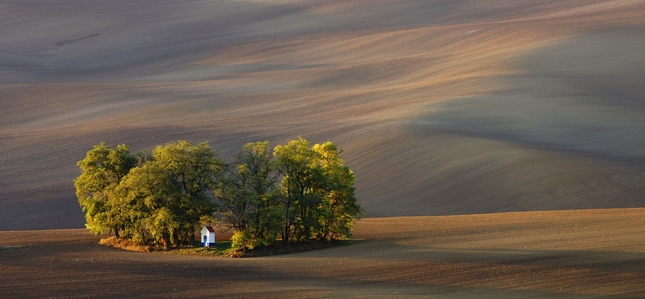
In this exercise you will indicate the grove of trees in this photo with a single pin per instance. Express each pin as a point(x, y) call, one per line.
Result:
point(296, 192)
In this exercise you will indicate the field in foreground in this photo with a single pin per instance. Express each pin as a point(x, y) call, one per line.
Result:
point(557, 254)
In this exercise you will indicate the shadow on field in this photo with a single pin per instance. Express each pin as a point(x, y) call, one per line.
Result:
point(95, 271)
point(480, 256)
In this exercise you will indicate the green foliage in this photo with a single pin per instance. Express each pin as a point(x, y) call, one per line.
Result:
point(339, 205)
point(297, 192)
point(186, 175)
point(243, 239)
point(307, 194)
point(101, 171)
point(161, 195)
point(248, 192)
point(301, 182)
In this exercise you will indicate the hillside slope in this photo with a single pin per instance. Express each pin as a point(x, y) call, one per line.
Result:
point(442, 107)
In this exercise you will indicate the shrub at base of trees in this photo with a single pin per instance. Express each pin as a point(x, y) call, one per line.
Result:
point(297, 193)
point(125, 244)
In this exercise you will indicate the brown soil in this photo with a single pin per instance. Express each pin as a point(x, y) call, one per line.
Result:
point(280, 248)
point(562, 254)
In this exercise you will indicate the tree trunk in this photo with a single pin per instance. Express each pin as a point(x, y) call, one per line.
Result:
point(166, 243)
point(116, 232)
point(192, 240)
point(165, 239)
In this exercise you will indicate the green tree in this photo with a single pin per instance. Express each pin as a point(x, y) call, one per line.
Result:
point(163, 194)
point(339, 207)
point(101, 172)
point(295, 160)
point(183, 176)
point(318, 191)
point(248, 192)
point(142, 196)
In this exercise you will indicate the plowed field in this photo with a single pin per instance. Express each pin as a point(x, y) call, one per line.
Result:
point(561, 254)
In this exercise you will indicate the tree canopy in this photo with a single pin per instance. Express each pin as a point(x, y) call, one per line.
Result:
point(317, 190)
point(102, 170)
point(296, 192)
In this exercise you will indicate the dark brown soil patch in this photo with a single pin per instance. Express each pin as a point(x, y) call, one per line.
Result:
point(293, 247)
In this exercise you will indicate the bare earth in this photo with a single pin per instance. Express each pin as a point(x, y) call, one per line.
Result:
point(556, 254)
point(442, 107)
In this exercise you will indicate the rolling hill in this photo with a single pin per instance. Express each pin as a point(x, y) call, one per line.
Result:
point(442, 107)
